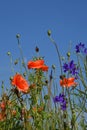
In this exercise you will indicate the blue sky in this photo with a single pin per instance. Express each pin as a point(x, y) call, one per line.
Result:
point(32, 18)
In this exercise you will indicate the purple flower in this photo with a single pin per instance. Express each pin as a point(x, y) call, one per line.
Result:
point(56, 99)
point(65, 67)
point(85, 51)
point(79, 47)
point(70, 67)
point(63, 106)
point(60, 99)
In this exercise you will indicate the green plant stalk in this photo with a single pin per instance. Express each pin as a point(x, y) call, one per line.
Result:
point(59, 57)
point(21, 53)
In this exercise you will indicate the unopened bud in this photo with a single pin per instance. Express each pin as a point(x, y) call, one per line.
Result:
point(24, 74)
point(8, 53)
point(49, 32)
point(37, 49)
point(53, 66)
point(16, 61)
point(18, 35)
point(11, 78)
point(46, 97)
point(68, 54)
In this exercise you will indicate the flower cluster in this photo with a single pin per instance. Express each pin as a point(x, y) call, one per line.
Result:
point(81, 48)
point(61, 99)
point(70, 67)
point(21, 83)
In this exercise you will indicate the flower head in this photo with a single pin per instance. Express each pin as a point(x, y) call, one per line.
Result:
point(60, 99)
point(70, 67)
point(68, 82)
point(20, 83)
point(81, 48)
point(2, 116)
point(37, 64)
point(85, 51)
point(3, 105)
point(63, 106)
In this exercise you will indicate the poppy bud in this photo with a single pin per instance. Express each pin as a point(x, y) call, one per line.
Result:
point(46, 81)
point(8, 53)
point(62, 76)
point(46, 97)
point(18, 35)
point(24, 74)
point(11, 78)
point(68, 54)
point(53, 66)
point(37, 49)
point(49, 32)
point(16, 61)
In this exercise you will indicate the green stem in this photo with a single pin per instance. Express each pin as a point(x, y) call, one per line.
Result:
point(21, 53)
point(58, 53)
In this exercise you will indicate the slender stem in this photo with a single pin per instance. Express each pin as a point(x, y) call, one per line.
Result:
point(22, 55)
point(58, 53)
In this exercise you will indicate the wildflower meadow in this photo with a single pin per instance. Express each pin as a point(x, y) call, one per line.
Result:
point(40, 99)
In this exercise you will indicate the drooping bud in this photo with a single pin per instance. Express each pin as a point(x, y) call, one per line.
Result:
point(37, 49)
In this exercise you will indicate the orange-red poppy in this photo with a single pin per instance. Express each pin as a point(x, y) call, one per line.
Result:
point(68, 82)
point(3, 105)
point(14, 112)
point(2, 116)
point(37, 64)
point(20, 83)
point(44, 68)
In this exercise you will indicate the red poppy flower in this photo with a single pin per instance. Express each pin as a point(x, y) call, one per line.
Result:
point(2, 116)
point(3, 105)
point(38, 64)
point(68, 82)
point(20, 83)
point(44, 68)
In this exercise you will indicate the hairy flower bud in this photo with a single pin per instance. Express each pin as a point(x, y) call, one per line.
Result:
point(18, 35)
point(8, 53)
point(37, 49)
point(68, 54)
point(49, 32)
point(53, 66)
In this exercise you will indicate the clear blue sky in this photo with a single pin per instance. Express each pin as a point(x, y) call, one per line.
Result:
point(32, 18)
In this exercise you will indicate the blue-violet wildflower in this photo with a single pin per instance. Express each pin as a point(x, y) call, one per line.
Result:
point(81, 48)
point(61, 100)
point(70, 67)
